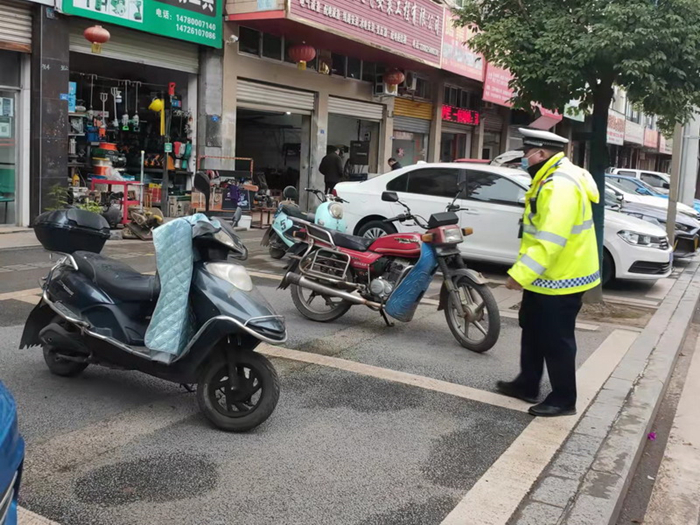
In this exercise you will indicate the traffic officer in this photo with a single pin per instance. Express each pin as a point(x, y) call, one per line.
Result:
point(557, 263)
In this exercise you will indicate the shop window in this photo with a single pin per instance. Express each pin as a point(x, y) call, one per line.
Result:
point(369, 71)
point(9, 68)
point(488, 187)
point(249, 41)
point(422, 88)
point(338, 64)
point(287, 44)
point(354, 68)
point(271, 46)
point(436, 182)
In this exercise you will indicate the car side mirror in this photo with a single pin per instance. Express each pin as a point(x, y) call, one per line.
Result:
point(666, 186)
point(641, 191)
point(390, 196)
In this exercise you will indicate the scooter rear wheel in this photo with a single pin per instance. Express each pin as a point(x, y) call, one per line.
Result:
point(56, 364)
point(277, 247)
point(248, 406)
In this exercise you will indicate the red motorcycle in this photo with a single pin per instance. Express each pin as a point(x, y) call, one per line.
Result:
point(333, 271)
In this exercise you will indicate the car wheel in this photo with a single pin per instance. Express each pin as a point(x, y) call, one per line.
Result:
point(375, 229)
point(608, 268)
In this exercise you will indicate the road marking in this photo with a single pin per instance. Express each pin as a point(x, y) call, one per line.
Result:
point(19, 294)
point(660, 289)
point(618, 299)
point(395, 376)
point(30, 299)
point(675, 497)
point(496, 495)
point(27, 517)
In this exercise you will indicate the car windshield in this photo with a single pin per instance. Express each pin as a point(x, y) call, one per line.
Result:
point(648, 187)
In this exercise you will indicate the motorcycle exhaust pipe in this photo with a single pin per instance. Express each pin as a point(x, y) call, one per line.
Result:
point(300, 280)
point(56, 336)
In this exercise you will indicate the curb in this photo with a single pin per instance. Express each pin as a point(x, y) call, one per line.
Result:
point(587, 481)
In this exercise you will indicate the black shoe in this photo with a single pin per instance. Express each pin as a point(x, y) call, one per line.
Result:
point(511, 389)
point(543, 410)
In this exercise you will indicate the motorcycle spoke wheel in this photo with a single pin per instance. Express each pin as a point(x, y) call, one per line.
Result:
point(318, 307)
point(478, 326)
point(325, 303)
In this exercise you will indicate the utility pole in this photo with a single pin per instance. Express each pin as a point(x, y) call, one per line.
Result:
point(675, 183)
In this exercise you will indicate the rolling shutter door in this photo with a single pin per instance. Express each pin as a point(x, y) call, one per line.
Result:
point(139, 47)
point(355, 108)
point(414, 125)
point(267, 97)
point(493, 120)
point(404, 107)
point(15, 26)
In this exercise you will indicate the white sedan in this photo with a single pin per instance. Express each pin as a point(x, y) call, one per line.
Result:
point(493, 205)
point(657, 202)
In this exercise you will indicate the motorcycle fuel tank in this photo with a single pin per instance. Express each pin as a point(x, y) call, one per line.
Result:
point(398, 244)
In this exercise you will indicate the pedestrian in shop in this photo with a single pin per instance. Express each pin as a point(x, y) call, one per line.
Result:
point(234, 194)
point(557, 263)
point(394, 164)
point(331, 167)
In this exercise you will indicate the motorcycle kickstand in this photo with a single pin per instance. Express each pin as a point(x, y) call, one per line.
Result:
point(188, 386)
point(390, 324)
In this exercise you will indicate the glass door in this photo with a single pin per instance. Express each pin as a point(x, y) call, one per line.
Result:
point(8, 156)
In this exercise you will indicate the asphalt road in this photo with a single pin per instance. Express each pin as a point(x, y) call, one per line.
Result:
point(115, 447)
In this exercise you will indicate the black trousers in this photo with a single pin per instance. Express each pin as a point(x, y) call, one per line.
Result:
point(548, 325)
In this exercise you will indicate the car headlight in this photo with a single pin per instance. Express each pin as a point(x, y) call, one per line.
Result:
point(336, 210)
point(640, 239)
point(683, 227)
point(234, 274)
point(453, 235)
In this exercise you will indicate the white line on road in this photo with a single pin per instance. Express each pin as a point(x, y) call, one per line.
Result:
point(493, 499)
point(675, 498)
point(27, 517)
point(395, 376)
point(19, 294)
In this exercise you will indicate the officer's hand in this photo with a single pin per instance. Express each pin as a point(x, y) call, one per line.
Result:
point(512, 284)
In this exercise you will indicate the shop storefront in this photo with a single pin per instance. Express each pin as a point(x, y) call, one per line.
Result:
point(411, 131)
point(616, 138)
point(118, 102)
point(15, 46)
point(354, 127)
point(138, 95)
point(273, 126)
point(632, 150)
point(650, 154)
point(665, 151)
point(458, 126)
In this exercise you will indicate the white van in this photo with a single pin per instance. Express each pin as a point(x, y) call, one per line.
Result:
point(661, 182)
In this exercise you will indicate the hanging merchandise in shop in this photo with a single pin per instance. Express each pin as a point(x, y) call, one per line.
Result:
point(198, 21)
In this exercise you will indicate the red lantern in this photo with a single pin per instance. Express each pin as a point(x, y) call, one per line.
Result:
point(301, 54)
point(96, 35)
point(394, 77)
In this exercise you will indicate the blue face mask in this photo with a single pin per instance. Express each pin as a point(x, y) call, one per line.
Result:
point(524, 163)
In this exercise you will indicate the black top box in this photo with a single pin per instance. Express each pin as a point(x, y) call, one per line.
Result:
point(71, 230)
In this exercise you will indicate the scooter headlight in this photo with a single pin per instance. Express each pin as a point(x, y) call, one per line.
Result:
point(336, 210)
point(234, 274)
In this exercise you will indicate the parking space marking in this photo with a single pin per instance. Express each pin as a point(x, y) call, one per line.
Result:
point(629, 301)
point(395, 376)
point(496, 495)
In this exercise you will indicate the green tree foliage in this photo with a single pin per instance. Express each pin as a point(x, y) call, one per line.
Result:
point(559, 50)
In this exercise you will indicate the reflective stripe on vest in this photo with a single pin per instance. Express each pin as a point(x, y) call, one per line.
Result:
point(566, 283)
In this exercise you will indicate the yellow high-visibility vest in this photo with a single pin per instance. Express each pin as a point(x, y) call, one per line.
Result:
point(558, 251)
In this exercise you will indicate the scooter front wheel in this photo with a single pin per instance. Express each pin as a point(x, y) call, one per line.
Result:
point(249, 404)
point(478, 329)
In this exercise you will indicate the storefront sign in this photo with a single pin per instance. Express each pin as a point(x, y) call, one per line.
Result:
point(457, 57)
point(198, 21)
point(665, 145)
point(412, 28)
point(460, 115)
point(616, 128)
point(634, 133)
point(651, 138)
point(496, 88)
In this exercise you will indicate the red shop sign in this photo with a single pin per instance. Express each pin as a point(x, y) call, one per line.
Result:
point(460, 115)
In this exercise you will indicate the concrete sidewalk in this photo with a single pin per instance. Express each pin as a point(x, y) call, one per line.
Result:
point(587, 481)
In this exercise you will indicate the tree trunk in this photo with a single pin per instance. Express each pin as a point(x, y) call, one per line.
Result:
point(599, 162)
